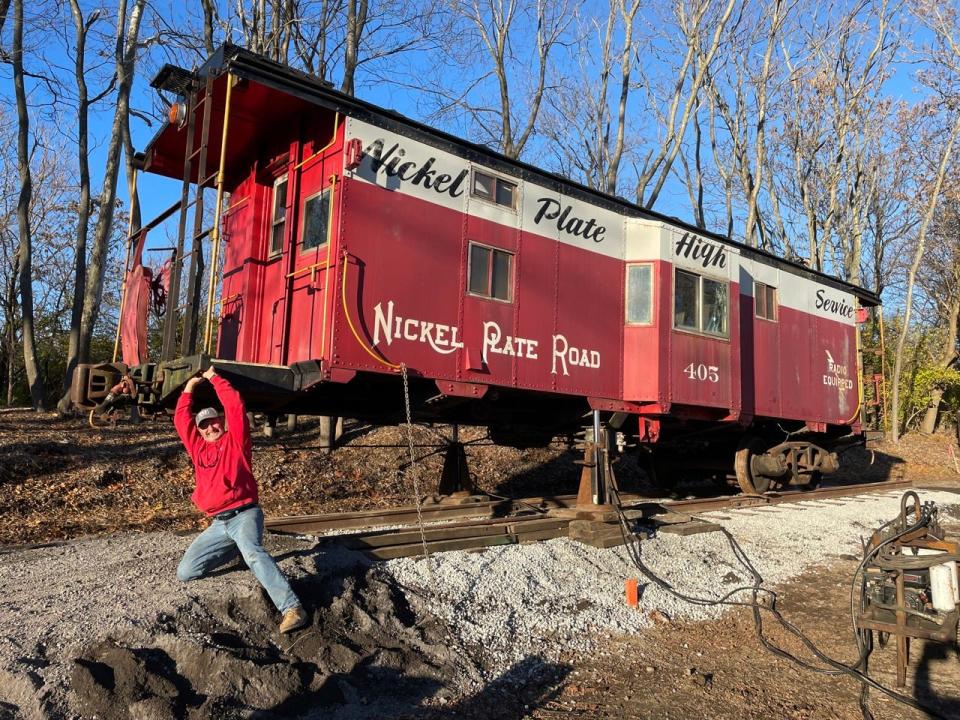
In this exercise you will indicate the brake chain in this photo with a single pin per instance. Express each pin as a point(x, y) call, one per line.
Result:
point(414, 470)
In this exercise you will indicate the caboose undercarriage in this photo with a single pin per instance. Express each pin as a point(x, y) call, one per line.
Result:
point(757, 456)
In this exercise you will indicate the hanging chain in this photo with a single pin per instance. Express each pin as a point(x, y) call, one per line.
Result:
point(414, 470)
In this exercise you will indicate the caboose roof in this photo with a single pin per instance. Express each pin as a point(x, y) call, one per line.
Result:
point(277, 92)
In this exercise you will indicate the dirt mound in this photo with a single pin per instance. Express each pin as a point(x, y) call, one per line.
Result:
point(370, 650)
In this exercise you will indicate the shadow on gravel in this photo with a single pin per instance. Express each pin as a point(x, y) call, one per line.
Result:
point(528, 685)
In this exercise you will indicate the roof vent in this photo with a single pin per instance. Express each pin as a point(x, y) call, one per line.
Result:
point(175, 79)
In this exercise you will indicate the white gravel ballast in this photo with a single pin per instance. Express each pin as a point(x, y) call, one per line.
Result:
point(516, 600)
point(503, 604)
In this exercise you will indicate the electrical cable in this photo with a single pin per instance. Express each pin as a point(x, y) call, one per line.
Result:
point(632, 545)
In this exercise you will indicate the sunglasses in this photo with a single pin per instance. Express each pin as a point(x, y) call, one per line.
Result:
point(212, 421)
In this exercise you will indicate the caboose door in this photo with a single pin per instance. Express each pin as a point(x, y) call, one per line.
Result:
point(312, 275)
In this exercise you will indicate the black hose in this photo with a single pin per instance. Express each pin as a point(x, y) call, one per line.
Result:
point(756, 589)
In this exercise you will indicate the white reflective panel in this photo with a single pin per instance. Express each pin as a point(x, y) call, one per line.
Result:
point(760, 300)
point(639, 293)
point(280, 200)
point(315, 220)
point(483, 185)
point(505, 192)
point(501, 275)
point(479, 270)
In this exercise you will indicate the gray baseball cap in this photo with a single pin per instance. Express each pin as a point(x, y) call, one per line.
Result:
point(207, 414)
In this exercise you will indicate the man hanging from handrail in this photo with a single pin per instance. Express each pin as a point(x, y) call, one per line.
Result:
point(220, 447)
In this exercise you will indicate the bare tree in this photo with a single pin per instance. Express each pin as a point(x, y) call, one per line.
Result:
point(4, 9)
point(942, 75)
point(82, 27)
point(940, 281)
point(25, 273)
point(356, 22)
point(315, 42)
point(128, 30)
point(930, 198)
point(510, 42)
point(210, 17)
point(587, 120)
point(832, 121)
point(743, 105)
point(701, 26)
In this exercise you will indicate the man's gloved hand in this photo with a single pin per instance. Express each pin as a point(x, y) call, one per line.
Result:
point(194, 381)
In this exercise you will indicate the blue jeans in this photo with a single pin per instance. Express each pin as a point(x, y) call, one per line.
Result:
point(241, 534)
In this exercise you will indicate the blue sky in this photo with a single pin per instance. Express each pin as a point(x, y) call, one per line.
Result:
point(158, 193)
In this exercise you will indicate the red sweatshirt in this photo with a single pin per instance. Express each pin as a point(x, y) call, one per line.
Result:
point(223, 468)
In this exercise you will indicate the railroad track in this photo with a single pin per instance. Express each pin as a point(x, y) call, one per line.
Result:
point(477, 523)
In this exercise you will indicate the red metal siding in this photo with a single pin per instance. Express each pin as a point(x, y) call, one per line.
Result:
point(403, 282)
point(413, 253)
point(562, 331)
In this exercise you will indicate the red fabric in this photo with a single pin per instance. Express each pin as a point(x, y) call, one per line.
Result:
point(136, 304)
point(223, 469)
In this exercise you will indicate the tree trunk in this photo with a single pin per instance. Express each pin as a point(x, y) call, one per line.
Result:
point(10, 335)
point(911, 278)
point(356, 20)
point(125, 55)
point(209, 9)
point(929, 423)
point(948, 356)
point(83, 211)
point(24, 257)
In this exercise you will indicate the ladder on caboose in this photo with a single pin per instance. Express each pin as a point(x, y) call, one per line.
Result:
point(197, 95)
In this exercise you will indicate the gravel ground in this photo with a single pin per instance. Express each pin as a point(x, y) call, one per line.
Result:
point(561, 596)
point(453, 623)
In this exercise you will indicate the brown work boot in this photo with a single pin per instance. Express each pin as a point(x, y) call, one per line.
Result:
point(293, 619)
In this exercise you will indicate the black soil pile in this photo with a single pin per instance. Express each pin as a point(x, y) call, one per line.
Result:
point(371, 650)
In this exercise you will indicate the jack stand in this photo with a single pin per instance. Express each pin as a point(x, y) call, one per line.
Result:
point(455, 483)
point(593, 501)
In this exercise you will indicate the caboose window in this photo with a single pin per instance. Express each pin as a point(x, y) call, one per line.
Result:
point(279, 215)
point(496, 190)
point(714, 307)
point(316, 220)
point(765, 301)
point(686, 301)
point(699, 304)
point(490, 272)
point(639, 294)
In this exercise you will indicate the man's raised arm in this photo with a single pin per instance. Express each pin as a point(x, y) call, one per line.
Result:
point(234, 410)
point(183, 418)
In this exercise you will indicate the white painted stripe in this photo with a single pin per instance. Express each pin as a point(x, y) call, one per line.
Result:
point(401, 164)
point(412, 168)
point(799, 293)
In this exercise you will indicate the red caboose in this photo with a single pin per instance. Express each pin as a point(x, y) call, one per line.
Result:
point(358, 242)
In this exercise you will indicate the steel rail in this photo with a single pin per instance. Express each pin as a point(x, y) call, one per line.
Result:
point(390, 533)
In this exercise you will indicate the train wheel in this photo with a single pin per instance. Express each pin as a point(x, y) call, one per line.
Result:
point(815, 477)
point(749, 482)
